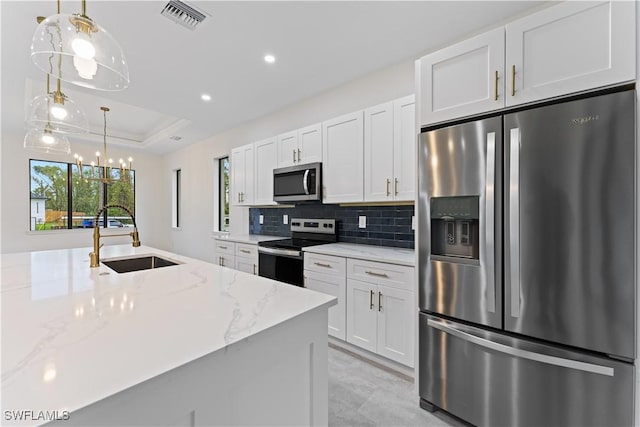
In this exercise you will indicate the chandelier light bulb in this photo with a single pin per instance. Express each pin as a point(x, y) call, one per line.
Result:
point(86, 68)
point(82, 47)
point(59, 112)
point(47, 138)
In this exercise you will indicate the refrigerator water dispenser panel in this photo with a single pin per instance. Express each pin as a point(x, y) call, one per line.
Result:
point(455, 227)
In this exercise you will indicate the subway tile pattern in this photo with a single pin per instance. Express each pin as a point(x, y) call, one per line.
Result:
point(386, 225)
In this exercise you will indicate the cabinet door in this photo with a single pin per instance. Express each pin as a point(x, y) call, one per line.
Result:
point(568, 48)
point(343, 160)
point(287, 149)
point(247, 265)
point(249, 175)
point(266, 161)
point(361, 314)
point(226, 260)
point(331, 285)
point(404, 148)
point(237, 175)
point(378, 153)
point(460, 80)
point(310, 144)
point(396, 317)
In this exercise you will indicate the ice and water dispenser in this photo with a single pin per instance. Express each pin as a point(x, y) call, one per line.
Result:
point(455, 227)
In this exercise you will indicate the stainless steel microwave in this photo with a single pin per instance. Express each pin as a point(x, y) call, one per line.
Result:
point(299, 183)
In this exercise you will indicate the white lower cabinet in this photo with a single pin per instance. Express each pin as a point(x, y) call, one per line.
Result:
point(381, 309)
point(239, 256)
point(247, 258)
point(326, 274)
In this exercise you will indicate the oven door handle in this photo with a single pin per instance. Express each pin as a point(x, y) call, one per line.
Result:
point(280, 252)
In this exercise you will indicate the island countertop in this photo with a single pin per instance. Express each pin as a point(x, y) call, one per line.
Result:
point(72, 335)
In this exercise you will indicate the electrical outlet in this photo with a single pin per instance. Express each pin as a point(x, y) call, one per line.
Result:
point(362, 221)
point(261, 219)
point(285, 219)
point(413, 222)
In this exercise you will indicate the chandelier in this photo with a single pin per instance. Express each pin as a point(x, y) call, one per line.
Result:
point(77, 50)
point(102, 169)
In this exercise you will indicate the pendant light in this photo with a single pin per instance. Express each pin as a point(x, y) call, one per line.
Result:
point(56, 112)
point(77, 50)
point(45, 140)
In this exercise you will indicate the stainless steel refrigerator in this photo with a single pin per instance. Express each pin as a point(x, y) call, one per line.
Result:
point(527, 265)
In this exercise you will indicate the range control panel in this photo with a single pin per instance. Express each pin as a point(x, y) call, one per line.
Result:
point(324, 226)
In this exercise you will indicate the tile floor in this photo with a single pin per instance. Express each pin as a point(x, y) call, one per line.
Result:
point(362, 394)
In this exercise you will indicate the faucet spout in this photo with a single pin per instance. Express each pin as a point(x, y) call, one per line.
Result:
point(94, 256)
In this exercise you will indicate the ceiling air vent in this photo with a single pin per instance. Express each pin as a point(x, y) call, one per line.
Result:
point(183, 14)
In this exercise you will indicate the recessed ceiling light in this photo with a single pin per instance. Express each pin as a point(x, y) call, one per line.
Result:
point(205, 97)
point(270, 59)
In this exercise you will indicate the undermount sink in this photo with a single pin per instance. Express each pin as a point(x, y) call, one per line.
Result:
point(144, 262)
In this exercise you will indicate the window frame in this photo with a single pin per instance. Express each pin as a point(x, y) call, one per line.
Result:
point(69, 189)
point(222, 194)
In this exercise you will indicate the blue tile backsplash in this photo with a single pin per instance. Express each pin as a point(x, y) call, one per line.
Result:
point(386, 225)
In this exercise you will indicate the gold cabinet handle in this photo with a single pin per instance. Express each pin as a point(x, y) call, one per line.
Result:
point(379, 301)
point(496, 83)
point(222, 247)
point(222, 261)
point(294, 156)
point(322, 264)
point(245, 251)
point(299, 154)
point(513, 80)
point(373, 273)
point(219, 260)
point(388, 183)
point(254, 269)
point(395, 186)
point(370, 300)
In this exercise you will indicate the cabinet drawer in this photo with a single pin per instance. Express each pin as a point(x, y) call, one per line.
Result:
point(326, 264)
point(246, 250)
point(397, 276)
point(228, 248)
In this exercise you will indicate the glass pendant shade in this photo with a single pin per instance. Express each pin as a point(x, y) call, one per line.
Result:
point(65, 117)
point(75, 49)
point(44, 140)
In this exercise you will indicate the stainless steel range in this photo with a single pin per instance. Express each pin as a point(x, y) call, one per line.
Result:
point(283, 259)
point(527, 278)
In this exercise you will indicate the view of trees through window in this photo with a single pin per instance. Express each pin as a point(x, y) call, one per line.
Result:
point(59, 192)
point(223, 167)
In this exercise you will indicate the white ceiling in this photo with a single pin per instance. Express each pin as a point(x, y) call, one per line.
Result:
point(318, 45)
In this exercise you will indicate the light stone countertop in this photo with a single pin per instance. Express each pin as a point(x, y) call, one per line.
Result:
point(72, 335)
point(252, 239)
point(386, 254)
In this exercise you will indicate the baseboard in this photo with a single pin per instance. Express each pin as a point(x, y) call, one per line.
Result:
point(395, 368)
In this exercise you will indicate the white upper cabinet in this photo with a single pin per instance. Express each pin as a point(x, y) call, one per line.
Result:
point(563, 49)
point(461, 80)
point(242, 175)
point(266, 161)
point(378, 152)
point(570, 47)
point(389, 151)
point(404, 148)
point(300, 146)
point(310, 144)
point(287, 149)
point(343, 160)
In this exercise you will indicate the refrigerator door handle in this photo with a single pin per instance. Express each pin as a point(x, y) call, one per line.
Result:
point(514, 221)
point(523, 354)
point(490, 221)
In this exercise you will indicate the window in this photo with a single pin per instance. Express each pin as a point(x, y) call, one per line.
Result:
point(59, 192)
point(223, 195)
point(177, 178)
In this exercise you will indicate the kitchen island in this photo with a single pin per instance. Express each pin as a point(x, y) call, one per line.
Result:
point(190, 344)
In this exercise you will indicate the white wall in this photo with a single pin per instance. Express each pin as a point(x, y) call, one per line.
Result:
point(195, 237)
point(15, 219)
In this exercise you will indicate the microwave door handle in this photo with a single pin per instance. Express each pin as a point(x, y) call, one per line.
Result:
point(305, 181)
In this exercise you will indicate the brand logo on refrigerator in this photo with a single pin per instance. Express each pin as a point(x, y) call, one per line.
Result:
point(584, 120)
